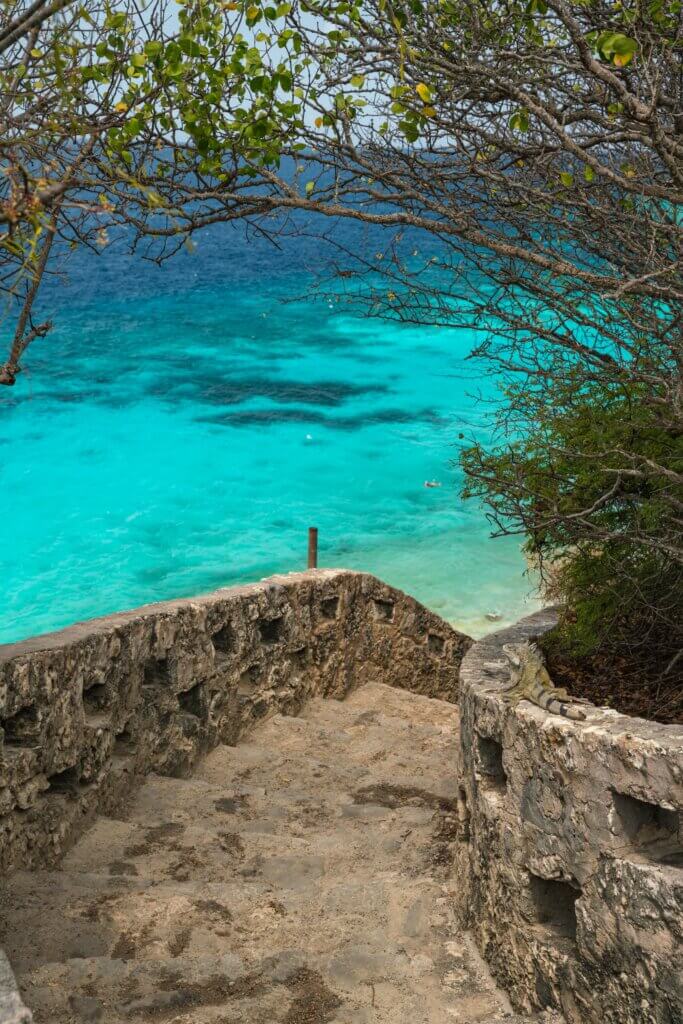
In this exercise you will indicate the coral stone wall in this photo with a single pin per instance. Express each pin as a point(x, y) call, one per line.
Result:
point(85, 711)
point(572, 856)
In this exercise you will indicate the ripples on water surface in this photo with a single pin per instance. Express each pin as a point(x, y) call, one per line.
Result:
point(182, 427)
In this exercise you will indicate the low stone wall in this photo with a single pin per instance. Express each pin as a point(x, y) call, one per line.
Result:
point(85, 711)
point(571, 864)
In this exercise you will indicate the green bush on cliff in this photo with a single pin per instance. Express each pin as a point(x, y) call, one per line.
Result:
point(593, 483)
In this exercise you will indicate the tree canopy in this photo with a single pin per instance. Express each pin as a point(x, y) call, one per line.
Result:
point(540, 143)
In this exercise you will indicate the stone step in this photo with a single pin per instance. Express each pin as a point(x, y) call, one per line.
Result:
point(69, 917)
point(356, 987)
point(290, 845)
point(356, 983)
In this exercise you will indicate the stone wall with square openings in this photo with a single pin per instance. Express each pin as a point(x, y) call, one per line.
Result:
point(86, 712)
point(570, 870)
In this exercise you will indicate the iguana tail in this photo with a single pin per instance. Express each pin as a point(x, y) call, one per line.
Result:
point(558, 707)
point(551, 698)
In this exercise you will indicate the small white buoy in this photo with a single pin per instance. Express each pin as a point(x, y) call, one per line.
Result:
point(309, 437)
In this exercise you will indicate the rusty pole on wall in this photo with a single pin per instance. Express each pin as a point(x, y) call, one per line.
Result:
point(312, 547)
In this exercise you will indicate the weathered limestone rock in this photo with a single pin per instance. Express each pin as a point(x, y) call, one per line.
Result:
point(12, 1010)
point(574, 854)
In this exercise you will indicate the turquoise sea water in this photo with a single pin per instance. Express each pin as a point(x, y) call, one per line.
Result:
point(183, 426)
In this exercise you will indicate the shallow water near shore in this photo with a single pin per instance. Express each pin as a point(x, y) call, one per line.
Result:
point(182, 426)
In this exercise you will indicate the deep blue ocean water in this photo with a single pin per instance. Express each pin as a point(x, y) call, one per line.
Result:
point(183, 425)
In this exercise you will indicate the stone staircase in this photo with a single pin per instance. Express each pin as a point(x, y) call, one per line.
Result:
point(302, 877)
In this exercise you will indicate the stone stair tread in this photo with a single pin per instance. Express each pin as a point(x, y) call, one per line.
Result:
point(289, 988)
point(391, 701)
point(283, 749)
point(143, 922)
point(326, 839)
point(357, 981)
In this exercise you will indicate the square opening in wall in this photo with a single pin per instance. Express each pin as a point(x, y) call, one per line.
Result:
point(329, 608)
point(650, 828)
point(249, 681)
point(192, 701)
point(272, 630)
point(67, 781)
point(124, 744)
point(384, 610)
point(95, 699)
point(435, 644)
point(21, 729)
point(157, 673)
point(554, 902)
point(490, 762)
point(223, 642)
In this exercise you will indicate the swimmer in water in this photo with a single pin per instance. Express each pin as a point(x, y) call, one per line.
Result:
point(432, 483)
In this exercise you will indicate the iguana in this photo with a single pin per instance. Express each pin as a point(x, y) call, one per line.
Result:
point(529, 680)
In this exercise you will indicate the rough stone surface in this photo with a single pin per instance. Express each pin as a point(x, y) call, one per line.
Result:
point(85, 712)
point(12, 1009)
point(322, 869)
point(301, 877)
point(571, 852)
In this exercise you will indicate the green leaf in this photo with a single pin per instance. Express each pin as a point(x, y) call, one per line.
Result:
point(138, 60)
point(116, 20)
point(520, 121)
point(190, 47)
point(410, 130)
point(616, 47)
point(567, 179)
point(310, 185)
point(623, 50)
point(588, 172)
point(358, 81)
point(173, 53)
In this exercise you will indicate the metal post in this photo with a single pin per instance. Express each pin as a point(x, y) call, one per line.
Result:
point(313, 547)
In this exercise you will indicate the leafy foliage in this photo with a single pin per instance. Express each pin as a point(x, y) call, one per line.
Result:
point(538, 142)
point(593, 482)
